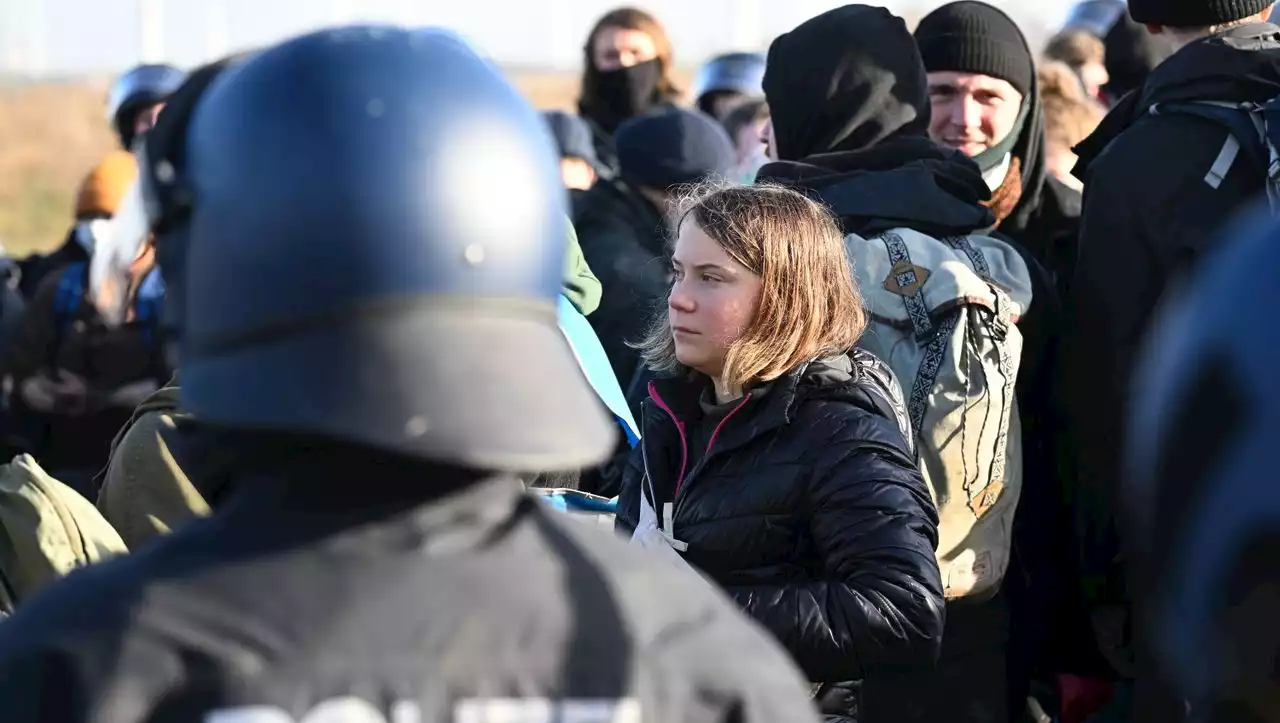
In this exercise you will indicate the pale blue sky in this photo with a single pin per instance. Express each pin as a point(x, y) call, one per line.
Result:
point(60, 37)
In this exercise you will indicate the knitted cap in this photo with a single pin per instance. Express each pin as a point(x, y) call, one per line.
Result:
point(974, 37)
point(1193, 13)
point(105, 186)
point(673, 146)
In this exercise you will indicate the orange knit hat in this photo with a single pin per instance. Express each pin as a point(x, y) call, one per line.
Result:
point(105, 186)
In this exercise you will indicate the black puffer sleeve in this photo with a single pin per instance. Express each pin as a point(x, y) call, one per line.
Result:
point(879, 605)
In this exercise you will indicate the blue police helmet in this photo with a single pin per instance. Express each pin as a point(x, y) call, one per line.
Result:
point(139, 87)
point(731, 73)
point(372, 249)
point(1201, 500)
point(1095, 17)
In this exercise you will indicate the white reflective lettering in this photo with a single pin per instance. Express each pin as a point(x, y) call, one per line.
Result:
point(255, 714)
point(503, 710)
point(601, 711)
point(406, 711)
point(344, 710)
point(472, 710)
point(541, 710)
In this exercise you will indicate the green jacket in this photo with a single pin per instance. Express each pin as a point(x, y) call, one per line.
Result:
point(581, 287)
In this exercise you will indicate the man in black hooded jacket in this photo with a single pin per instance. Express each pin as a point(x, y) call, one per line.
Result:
point(1151, 207)
point(850, 118)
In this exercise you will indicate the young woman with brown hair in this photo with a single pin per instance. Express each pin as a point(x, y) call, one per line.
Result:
point(774, 458)
point(627, 71)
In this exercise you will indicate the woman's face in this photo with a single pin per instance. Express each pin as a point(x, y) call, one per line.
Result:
point(617, 48)
point(712, 302)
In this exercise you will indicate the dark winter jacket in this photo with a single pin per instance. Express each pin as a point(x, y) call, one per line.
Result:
point(411, 589)
point(807, 507)
point(1148, 216)
point(624, 238)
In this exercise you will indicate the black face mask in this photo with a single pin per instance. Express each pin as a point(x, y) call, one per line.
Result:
point(625, 93)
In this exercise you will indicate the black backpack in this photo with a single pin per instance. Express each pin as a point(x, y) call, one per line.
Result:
point(1252, 128)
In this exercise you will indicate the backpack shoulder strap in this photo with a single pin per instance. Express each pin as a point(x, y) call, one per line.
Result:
point(71, 285)
point(1246, 131)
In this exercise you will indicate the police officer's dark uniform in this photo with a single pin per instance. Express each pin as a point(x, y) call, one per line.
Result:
point(372, 349)
point(1202, 507)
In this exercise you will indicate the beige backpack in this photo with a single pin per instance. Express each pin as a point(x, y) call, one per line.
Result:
point(942, 316)
point(47, 530)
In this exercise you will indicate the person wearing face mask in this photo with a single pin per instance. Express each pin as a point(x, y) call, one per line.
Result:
point(627, 72)
point(986, 103)
point(76, 379)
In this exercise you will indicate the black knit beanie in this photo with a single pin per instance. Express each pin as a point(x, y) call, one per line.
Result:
point(974, 37)
point(1193, 13)
point(673, 146)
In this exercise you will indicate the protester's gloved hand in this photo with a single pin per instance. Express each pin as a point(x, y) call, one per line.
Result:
point(65, 394)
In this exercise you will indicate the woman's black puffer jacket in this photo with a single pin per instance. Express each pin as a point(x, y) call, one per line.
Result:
point(808, 509)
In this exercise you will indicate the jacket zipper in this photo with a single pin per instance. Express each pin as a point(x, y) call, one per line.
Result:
point(684, 451)
point(684, 442)
point(706, 454)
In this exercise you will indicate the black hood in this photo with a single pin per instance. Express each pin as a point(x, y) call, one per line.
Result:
point(850, 105)
point(1029, 150)
point(1238, 65)
point(846, 80)
point(905, 182)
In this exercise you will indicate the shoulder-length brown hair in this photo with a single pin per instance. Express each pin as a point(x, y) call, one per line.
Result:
point(809, 305)
point(629, 18)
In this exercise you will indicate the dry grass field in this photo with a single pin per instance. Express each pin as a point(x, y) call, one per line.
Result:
point(52, 134)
